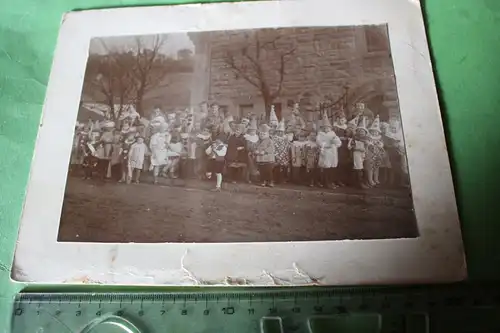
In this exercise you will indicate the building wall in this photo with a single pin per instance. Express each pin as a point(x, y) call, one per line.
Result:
point(324, 62)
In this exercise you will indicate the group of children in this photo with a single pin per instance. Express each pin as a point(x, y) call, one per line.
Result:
point(345, 153)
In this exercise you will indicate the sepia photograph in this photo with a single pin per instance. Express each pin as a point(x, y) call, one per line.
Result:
point(293, 143)
point(287, 134)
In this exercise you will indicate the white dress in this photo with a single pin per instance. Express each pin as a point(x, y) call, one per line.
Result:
point(136, 155)
point(158, 145)
point(328, 154)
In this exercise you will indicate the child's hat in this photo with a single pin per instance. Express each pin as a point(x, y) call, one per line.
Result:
point(184, 135)
point(326, 121)
point(353, 123)
point(273, 119)
point(240, 127)
point(264, 128)
point(376, 124)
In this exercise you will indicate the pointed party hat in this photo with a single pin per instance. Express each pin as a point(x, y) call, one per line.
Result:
point(272, 116)
point(326, 121)
point(376, 124)
point(353, 123)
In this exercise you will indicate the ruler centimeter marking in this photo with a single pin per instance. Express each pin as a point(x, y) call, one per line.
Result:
point(395, 308)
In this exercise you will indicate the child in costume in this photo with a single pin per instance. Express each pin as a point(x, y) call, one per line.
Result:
point(328, 143)
point(75, 160)
point(203, 141)
point(124, 156)
point(374, 154)
point(358, 147)
point(251, 141)
point(107, 136)
point(264, 156)
point(102, 158)
point(107, 139)
point(350, 132)
point(183, 164)
point(344, 174)
point(290, 133)
point(273, 121)
point(386, 174)
point(297, 154)
point(174, 152)
point(136, 159)
point(237, 155)
point(282, 153)
point(90, 160)
point(115, 163)
point(159, 147)
point(83, 139)
point(216, 154)
point(311, 152)
point(188, 155)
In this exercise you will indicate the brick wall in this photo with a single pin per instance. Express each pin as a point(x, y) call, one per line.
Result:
point(325, 60)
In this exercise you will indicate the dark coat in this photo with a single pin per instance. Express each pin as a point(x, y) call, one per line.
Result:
point(233, 154)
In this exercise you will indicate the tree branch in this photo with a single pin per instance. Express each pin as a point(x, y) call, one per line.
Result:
point(281, 70)
point(231, 63)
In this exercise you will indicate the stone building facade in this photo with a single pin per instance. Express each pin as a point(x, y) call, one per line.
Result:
point(324, 62)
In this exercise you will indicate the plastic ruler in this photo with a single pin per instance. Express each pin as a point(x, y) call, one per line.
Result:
point(456, 308)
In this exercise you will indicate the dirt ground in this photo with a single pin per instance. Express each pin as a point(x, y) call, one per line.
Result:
point(111, 212)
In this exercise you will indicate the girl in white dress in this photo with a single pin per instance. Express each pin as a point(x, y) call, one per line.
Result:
point(159, 148)
point(136, 159)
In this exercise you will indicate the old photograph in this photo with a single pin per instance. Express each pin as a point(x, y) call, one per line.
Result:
point(286, 134)
point(254, 143)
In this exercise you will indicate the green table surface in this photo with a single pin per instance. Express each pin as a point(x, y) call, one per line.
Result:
point(465, 42)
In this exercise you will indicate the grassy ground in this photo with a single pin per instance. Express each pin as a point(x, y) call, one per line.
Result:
point(110, 212)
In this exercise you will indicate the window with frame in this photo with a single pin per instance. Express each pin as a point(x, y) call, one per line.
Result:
point(377, 38)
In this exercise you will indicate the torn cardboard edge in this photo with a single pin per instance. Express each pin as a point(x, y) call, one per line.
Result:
point(295, 276)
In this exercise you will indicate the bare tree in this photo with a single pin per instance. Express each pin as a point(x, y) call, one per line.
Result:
point(249, 63)
point(109, 77)
point(150, 68)
point(121, 77)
